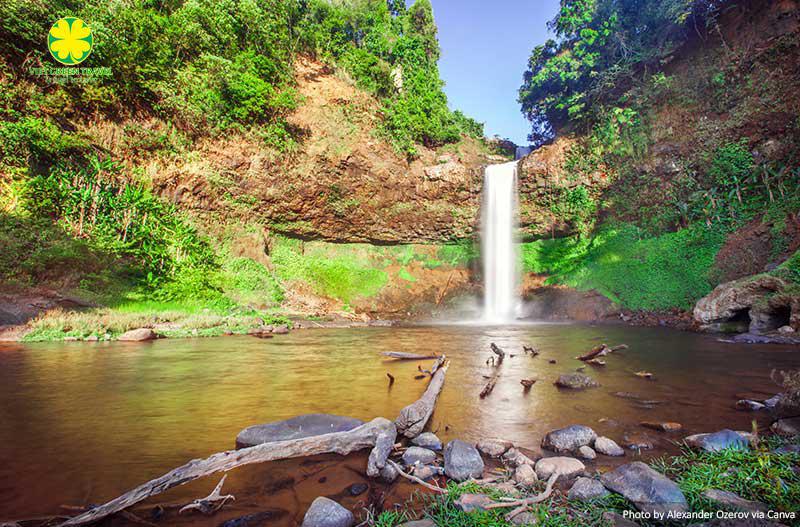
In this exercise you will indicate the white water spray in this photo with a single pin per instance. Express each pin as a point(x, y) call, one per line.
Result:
point(499, 250)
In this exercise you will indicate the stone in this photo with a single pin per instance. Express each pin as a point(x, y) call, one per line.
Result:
point(388, 474)
point(416, 454)
point(325, 512)
point(585, 489)
point(729, 500)
point(789, 426)
point(256, 519)
point(419, 523)
point(569, 439)
point(428, 440)
point(749, 406)
point(280, 330)
point(473, 502)
point(649, 490)
point(576, 381)
point(567, 467)
point(786, 330)
point(462, 461)
point(525, 475)
point(717, 441)
point(295, 428)
point(514, 458)
point(357, 489)
point(586, 452)
point(138, 335)
point(662, 426)
point(525, 518)
point(637, 441)
point(774, 401)
point(614, 519)
point(494, 447)
point(608, 447)
point(426, 472)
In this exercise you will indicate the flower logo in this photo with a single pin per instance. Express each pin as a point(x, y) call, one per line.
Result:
point(70, 41)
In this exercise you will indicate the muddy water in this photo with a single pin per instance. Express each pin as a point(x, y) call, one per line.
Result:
point(83, 422)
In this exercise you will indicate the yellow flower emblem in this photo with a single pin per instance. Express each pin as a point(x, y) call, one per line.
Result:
point(70, 41)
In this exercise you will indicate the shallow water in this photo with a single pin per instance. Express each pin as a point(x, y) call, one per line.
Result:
point(84, 422)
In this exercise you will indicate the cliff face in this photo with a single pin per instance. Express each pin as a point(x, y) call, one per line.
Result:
point(342, 182)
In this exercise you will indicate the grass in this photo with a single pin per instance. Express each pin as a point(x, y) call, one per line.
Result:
point(635, 270)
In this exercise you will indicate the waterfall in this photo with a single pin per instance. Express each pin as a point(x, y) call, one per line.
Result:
point(499, 251)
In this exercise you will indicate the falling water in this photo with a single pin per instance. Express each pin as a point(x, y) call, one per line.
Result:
point(499, 251)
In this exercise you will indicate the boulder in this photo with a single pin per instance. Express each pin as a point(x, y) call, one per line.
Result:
point(585, 489)
point(567, 467)
point(608, 447)
point(325, 512)
point(473, 502)
point(649, 490)
point(514, 458)
point(729, 500)
point(428, 440)
point(416, 454)
point(388, 473)
point(718, 441)
point(525, 475)
point(586, 452)
point(295, 428)
point(138, 335)
point(569, 439)
point(494, 447)
point(576, 381)
point(462, 461)
point(786, 427)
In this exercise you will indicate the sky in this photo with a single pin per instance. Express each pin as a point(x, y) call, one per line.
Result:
point(485, 49)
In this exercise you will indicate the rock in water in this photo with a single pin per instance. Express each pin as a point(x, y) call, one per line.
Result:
point(787, 427)
point(420, 455)
point(514, 458)
point(576, 381)
point(257, 519)
point(662, 426)
point(388, 474)
point(525, 475)
point(494, 447)
point(749, 405)
point(295, 428)
point(325, 512)
point(462, 461)
point(585, 489)
point(647, 489)
point(729, 500)
point(427, 440)
point(718, 441)
point(473, 502)
point(586, 452)
point(608, 447)
point(138, 335)
point(569, 439)
point(567, 467)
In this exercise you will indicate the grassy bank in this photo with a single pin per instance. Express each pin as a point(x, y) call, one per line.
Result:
point(759, 474)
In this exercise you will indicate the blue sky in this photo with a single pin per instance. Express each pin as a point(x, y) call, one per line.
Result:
point(485, 49)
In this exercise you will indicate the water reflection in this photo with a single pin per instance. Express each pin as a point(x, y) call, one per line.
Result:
point(86, 421)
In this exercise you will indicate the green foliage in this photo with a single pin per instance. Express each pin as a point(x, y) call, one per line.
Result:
point(35, 140)
point(341, 276)
point(602, 43)
point(633, 269)
point(731, 165)
point(251, 282)
point(461, 254)
point(752, 474)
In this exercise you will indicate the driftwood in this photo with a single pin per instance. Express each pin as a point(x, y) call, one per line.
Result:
point(523, 504)
point(415, 479)
point(498, 351)
point(211, 503)
point(527, 383)
point(490, 385)
point(644, 374)
point(530, 349)
point(391, 378)
point(598, 351)
point(596, 362)
point(401, 355)
point(414, 417)
point(343, 443)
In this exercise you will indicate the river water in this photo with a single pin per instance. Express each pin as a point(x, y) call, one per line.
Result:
point(83, 422)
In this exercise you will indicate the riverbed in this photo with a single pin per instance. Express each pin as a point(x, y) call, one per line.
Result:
point(83, 422)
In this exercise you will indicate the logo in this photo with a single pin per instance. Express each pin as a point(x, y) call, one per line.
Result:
point(70, 41)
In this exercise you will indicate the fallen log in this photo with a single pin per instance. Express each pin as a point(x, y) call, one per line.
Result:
point(414, 417)
point(490, 385)
point(598, 351)
point(401, 355)
point(342, 443)
point(498, 351)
